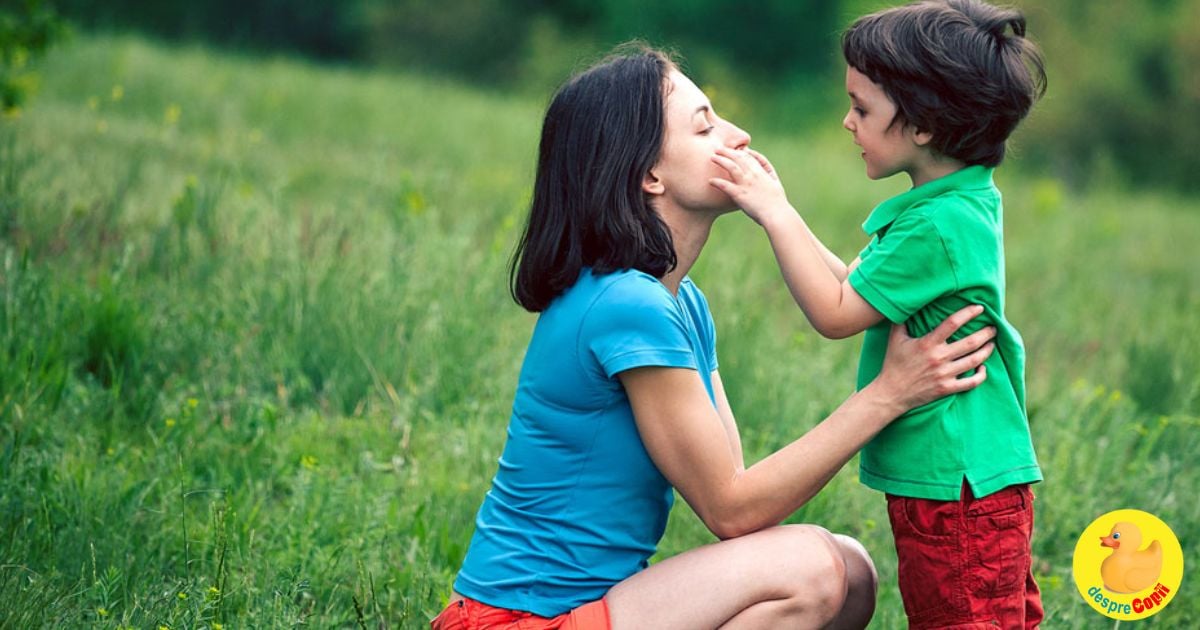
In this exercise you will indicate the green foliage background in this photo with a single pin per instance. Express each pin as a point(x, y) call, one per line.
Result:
point(1122, 109)
point(27, 29)
point(257, 354)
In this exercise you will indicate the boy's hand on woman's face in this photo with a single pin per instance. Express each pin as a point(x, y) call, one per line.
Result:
point(753, 183)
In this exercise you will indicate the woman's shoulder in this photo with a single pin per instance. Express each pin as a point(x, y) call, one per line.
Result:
point(620, 283)
point(629, 293)
point(692, 296)
point(625, 289)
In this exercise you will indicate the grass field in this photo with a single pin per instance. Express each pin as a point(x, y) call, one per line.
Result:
point(257, 353)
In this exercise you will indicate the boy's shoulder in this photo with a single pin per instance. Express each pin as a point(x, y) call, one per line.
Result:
point(966, 191)
point(980, 201)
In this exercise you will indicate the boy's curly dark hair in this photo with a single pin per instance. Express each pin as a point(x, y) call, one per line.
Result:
point(954, 69)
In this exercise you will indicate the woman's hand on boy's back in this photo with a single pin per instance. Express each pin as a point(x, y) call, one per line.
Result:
point(753, 184)
point(921, 370)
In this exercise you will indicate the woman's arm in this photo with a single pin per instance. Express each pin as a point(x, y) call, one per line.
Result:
point(727, 420)
point(688, 441)
point(816, 277)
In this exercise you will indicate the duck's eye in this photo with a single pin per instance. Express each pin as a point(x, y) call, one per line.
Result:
point(1116, 535)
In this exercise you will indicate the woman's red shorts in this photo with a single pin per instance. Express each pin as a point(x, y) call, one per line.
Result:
point(468, 614)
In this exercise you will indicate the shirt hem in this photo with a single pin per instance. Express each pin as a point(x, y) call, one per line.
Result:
point(650, 358)
point(938, 490)
point(540, 606)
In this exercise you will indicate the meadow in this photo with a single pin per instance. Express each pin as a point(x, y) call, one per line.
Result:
point(257, 352)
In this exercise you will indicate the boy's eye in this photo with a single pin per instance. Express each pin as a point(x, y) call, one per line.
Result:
point(707, 130)
point(860, 111)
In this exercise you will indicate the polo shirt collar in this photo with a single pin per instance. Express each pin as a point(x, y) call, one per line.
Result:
point(973, 177)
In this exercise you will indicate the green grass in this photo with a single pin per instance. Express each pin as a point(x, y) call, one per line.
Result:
point(257, 354)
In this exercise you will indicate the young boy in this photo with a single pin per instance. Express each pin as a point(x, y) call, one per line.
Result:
point(935, 88)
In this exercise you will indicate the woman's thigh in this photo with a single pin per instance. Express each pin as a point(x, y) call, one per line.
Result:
point(794, 571)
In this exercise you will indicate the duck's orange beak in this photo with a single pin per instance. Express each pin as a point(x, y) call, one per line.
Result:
point(1109, 541)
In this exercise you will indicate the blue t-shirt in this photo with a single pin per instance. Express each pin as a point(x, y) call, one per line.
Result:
point(577, 505)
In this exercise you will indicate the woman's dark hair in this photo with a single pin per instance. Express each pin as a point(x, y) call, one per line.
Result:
point(953, 69)
point(602, 133)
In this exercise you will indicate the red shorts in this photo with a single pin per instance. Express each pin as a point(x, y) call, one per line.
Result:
point(966, 564)
point(468, 614)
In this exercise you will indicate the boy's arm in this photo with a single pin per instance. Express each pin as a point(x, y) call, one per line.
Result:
point(840, 269)
point(831, 304)
point(818, 284)
point(832, 260)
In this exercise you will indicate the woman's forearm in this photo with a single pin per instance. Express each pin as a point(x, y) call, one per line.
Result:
point(770, 490)
point(685, 437)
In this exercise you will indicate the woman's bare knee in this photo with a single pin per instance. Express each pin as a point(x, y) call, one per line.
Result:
point(860, 569)
point(817, 575)
point(862, 583)
point(790, 576)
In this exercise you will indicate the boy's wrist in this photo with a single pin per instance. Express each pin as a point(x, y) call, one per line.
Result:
point(779, 216)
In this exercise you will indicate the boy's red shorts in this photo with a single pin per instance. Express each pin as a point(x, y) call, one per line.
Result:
point(966, 564)
point(468, 614)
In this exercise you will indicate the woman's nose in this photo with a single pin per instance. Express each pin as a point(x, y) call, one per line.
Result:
point(846, 123)
point(737, 138)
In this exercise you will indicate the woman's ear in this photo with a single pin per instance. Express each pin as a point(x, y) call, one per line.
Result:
point(652, 185)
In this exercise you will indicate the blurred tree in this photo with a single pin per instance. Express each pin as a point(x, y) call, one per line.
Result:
point(486, 39)
point(781, 38)
point(330, 30)
point(1123, 104)
point(1124, 100)
point(480, 39)
point(27, 29)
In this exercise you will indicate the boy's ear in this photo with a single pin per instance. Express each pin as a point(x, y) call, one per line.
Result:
point(652, 185)
point(919, 137)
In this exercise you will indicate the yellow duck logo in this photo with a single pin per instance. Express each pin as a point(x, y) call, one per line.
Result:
point(1128, 569)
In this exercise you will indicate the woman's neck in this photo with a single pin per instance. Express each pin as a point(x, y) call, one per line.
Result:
point(689, 232)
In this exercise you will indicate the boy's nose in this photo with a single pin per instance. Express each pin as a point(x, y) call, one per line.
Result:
point(846, 123)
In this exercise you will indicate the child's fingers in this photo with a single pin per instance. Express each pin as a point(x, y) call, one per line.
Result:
point(747, 162)
point(722, 185)
point(762, 159)
point(733, 167)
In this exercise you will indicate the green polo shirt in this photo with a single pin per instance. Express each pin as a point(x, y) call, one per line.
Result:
point(933, 250)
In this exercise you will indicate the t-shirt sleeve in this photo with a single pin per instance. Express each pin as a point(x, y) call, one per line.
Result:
point(636, 324)
point(710, 342)
point(704, 324)
point(908, 268)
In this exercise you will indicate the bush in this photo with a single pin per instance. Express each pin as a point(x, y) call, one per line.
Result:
point(1124, 94)
point(27, 29)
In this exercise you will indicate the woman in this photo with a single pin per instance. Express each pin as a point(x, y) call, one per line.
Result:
point(619, 400)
